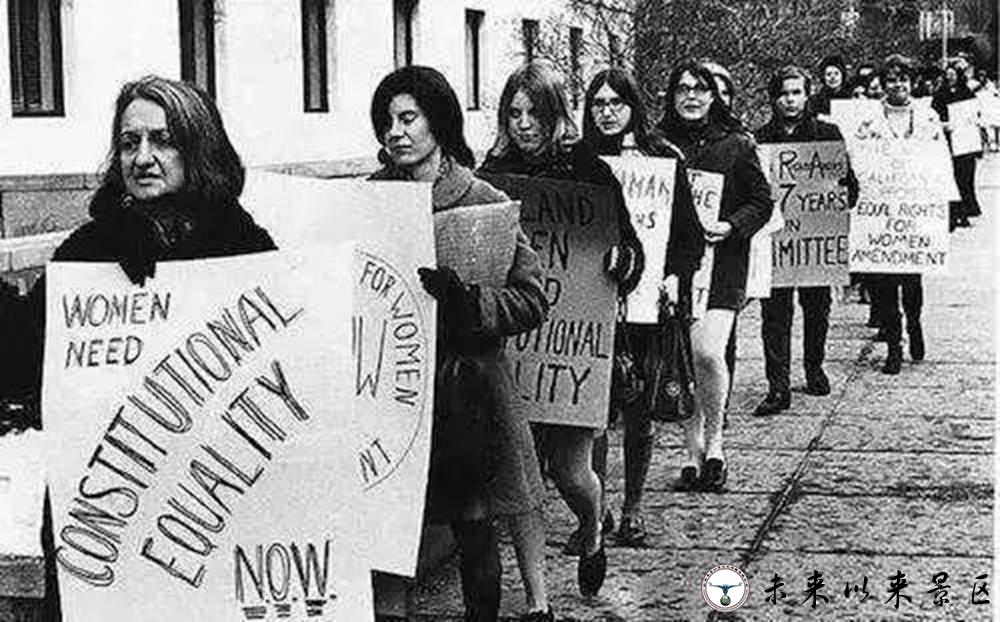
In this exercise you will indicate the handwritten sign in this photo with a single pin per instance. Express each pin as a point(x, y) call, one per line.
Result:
point(195, 432)
point(963, 117)
point(393, 331)
point(562, 369)
point(848, 113)
point(478, 241)
point(812, 247)
point(648, 186)
point(900, 223)
point(706, 190)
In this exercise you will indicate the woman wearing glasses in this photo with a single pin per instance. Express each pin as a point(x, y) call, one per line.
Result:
point(536, 136)
point(614, 124)
point(713, 140)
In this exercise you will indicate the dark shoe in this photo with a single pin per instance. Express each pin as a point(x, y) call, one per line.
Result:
point(631, 532)
point(917, 344)
point(817, 383)
point(775, 402)
point(879, 336)
point(689, 479)
point(963, 222)
point(713, 478)
point(591, 570)
point(893, 361)
point(539, 616)
point(479, 569)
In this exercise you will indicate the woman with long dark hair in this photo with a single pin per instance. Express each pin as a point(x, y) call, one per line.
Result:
point(536, 136)
point(615, 124)
point(698, 122)
point(418, 121)
point(954, 89)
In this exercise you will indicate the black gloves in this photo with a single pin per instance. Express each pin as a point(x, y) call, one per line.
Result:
point(459, 302)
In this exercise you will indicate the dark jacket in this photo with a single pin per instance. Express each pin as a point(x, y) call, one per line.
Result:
point(474, 384)
point(810, 129)
point(581, 164)
point(746, 199)
point(228, 230)
point(945, 95)
point(686, 243)
point(819, 103)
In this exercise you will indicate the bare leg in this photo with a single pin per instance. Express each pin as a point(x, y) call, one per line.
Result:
point(528, 533)
point(708, 342)
point(577, 482)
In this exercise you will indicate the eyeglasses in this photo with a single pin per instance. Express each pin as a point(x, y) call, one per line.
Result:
point(615, 104)
point(698, 90)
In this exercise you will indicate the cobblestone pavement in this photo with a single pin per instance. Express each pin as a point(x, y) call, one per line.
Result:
point(886, 474)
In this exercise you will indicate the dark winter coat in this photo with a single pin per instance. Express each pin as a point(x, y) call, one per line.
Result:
point(474, 387)
point(819, 102)
point(579, 163)
point(746, 200)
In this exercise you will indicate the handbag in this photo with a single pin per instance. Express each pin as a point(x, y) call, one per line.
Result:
point(627, 383)
point(669, 368)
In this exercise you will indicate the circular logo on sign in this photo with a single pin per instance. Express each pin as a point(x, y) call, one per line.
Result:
point(725, 588)
point(390, 367)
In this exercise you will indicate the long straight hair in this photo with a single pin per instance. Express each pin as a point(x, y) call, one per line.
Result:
point(718, 113)
point(622, 83)
point(545, 87)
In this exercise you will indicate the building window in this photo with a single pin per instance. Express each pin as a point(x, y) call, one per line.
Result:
point(314, 56)
point(403, 13)
point(576, 76)
point(473, 59)
point(198, 43)
point(35, 57)
point(529, 36)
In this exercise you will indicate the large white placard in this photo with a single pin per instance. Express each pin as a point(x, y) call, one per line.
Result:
point(706, 190)
point(393, 332)
point(963, 118)
point(648, 186)
point(199, 441)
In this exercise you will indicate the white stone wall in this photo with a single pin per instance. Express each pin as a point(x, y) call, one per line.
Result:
point(258, 74)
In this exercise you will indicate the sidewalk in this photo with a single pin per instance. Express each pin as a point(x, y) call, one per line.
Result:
point(886, 474)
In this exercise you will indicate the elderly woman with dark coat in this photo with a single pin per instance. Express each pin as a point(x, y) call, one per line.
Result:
point(418, 121)
point(170, 190)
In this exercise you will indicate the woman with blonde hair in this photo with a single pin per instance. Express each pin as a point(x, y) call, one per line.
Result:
point(536, 136)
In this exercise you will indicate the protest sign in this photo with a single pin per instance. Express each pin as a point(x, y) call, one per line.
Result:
point(847, 114)
point(478, 241)
point(199, 440)
point(963, 118)
point(811, 249)
point(706, 190)
point(989, 106)
point(393, 332)
point(648, 186)
point(900, 222)
point(562, 369)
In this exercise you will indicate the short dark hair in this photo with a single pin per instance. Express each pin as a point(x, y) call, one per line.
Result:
point(621, 82)
point(718, 112)
point(436, 99)
point(545, 87)
point(213, 172)
point(897, 64)
point(788, 72)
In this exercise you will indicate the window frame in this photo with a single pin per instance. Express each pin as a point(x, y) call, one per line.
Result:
point(321, 57)
point(19, 107)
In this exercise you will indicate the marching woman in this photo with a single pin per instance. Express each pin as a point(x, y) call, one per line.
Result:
point(418, 120)
point(536, 136)
point(834, 85)
point(170, 190)
point(615, 124)
point(955, 89)
point(713, 140)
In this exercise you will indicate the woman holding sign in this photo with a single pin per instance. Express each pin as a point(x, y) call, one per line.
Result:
point(715, 144)
point(536, 136)
point(170, 190)
point(418, 120)
point(954, 89)
point(614, 124)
